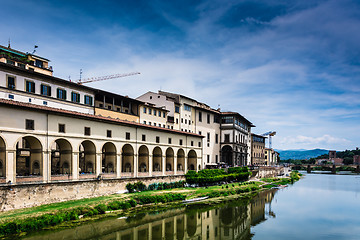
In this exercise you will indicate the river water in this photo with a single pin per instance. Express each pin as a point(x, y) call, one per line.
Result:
point(319, 206)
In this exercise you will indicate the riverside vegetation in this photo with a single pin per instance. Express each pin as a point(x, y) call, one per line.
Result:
point(219, 185)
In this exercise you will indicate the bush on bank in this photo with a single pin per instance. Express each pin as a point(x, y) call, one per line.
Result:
point(214, 176)
point(140, 186)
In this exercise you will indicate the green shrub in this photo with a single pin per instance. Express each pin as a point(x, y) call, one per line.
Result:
point(101, 208)
point(130, 187)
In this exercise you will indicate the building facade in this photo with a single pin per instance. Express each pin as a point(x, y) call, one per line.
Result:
point(258, 150)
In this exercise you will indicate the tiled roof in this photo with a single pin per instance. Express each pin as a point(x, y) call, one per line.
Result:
point(89, 116)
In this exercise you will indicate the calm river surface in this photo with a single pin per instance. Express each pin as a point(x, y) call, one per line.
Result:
point(319, 206)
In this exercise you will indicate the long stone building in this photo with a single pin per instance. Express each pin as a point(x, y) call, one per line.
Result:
point(52, 129)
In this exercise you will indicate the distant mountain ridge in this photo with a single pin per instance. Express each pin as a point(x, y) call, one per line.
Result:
point(301, 154)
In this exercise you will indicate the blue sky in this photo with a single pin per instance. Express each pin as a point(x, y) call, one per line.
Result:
point(288, 66)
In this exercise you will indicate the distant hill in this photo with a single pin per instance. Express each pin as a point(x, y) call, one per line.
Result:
point(301, 154)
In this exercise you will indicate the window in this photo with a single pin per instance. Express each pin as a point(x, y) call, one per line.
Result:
point(163, 125)
point(200, 116)
point(149, 110)
point(157, 139)
point(187, 107)
point(192, 143)
point(159, 114)
point(12, 97)
point(154, 112)
point(159, 125)
point(169, 140)
point(216, 119)
point(20, 65)
point(144, 122)
point(109, 107)
point(45, 90)
point(127, 136)
point(150, 123)
point(227, 138)
point(216, 138)
point(143, 137)
point(45, 102)
point(155, 124)
point(108, 133)
point(8, 61)
point(200, 132)
point(11, 82)
point(177, 121)
point(88, 100)
point(30, 86)
point(208, 137)
point(38, 63)
point(61, 128)
point(208, 118)
point(185, 121)
point(87, 131)
point(199, 144)
point(182, 120)
point(29, 124)
point(208, 158)
point(164, 114)
point(177, 109)
point(144, 109)
point(227, 119)
point(216, 158)
point(180, 142)
point(75, 97)
point(61, 93)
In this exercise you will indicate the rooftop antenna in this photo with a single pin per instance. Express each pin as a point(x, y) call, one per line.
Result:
point(9, 44)
point(35, 47)
point(80, 75)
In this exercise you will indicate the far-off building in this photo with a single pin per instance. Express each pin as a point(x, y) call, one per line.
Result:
point(357, 159)
point(271, 157)
point(257, 150)
point(334, 159)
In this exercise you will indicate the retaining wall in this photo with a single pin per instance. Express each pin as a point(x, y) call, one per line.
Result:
point(30, 195)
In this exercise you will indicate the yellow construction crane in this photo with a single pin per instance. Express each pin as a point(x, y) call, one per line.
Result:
point(95, 79)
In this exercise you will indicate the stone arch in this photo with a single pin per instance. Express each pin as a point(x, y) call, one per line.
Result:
point(108, 157)
point(192, 160)
point(180, 160)
point(191, 224)
point(28, 151)
point(143, 159)
point(180, 229)
point(169, 159)
point(157, 159)
point(61, 157)
point(227, 155)
point(87, 157)
point(127, 158)
point(2, 157)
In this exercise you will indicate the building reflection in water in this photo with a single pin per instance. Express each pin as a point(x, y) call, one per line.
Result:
point(233, 221)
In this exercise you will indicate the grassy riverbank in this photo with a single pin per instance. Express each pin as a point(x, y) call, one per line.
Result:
point(72, 213)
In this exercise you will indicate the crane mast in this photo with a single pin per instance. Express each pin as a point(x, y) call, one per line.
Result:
point(102, 78)
point(270, 134)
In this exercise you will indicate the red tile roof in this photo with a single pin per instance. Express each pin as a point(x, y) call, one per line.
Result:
point(88, 116)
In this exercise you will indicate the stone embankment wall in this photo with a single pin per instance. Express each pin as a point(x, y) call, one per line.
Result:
point(266, 172)
point(30, 195)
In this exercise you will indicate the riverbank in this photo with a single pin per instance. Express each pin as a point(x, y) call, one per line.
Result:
point(74, 213)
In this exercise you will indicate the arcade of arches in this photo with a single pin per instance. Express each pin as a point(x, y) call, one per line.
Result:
point(66, 160)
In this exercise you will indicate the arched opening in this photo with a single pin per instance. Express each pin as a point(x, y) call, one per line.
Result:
point(169, 229)
point(191, 224)
point(157, 159)
point(87, 158)
point(180, 160)
point(180, 231)
point(169, 159)
point(61, 157)
point(143, 159)
point(192, 160)
point(127, 159)
point(29, 158)
point(108, 163)
point(157, 231)
point(2, 157)
point(227, 155)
